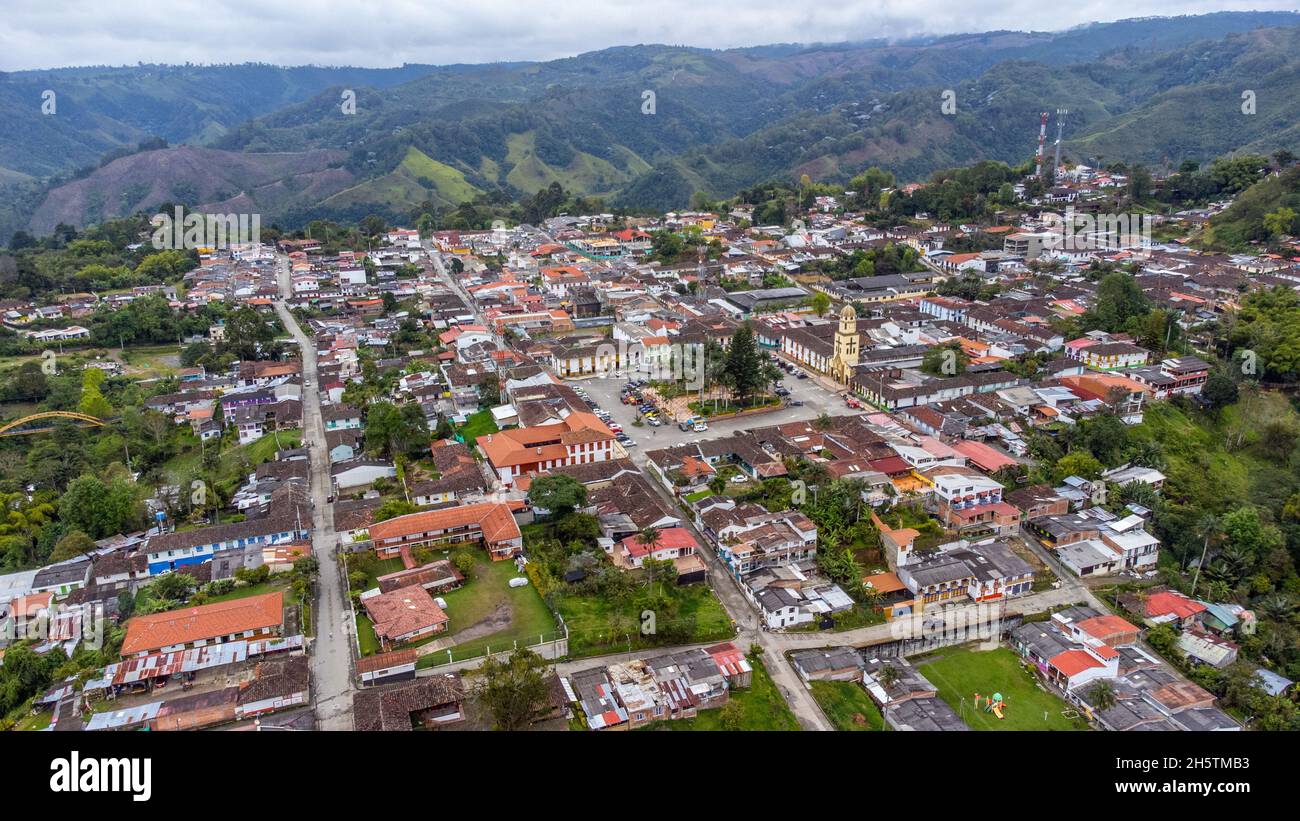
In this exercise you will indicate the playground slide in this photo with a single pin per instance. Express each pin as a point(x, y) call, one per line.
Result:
point(997, 709)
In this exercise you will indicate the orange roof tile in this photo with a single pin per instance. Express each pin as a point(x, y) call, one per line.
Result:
point(204, 622)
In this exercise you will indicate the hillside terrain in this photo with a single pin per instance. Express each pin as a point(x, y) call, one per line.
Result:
point(642, 126)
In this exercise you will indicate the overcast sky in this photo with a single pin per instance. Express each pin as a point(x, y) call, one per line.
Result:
point(45, 34)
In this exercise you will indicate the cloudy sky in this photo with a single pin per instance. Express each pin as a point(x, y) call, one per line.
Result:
point(44, 34)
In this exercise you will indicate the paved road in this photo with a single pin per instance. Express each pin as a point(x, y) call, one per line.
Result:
point(818, 398)
point(331, 651)
point(605, 392)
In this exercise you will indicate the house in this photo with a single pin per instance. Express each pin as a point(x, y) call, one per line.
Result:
point(426, 703)
point(672, 544)
point(780, 608)
point(360, 473)
point(968, 501)
point(1171, 607)
point(404, 614)
point(490, 523)
point(247, 618)
point(239, 544)
point(579, 438)
point(830, 664)
point(340, 417)
point(387, 668)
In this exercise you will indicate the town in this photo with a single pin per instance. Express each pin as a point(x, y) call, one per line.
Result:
point(699, 470)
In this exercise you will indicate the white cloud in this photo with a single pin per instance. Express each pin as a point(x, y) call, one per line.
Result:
point(41, 34)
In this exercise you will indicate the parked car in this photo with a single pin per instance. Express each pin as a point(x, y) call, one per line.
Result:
point(700, 427)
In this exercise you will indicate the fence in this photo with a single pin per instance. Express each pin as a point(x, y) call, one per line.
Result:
point(551, 646)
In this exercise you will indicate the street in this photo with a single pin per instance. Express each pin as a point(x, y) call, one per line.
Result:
point(331, 650)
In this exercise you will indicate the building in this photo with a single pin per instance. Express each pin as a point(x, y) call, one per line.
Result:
point(489, 523)
point(424, 703)
point(254, 617)
point(404, 614)
point(579, 438)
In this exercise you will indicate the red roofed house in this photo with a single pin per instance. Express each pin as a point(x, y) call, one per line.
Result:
point(254, 617)
point(982, 456)
point(1172, 607)
point(1074, 668)
point(581, 438)
point(673, 543)
point(404, 615)
point(491, 523)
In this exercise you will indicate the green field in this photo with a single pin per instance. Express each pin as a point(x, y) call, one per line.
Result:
point(185, 465)
point(593, 621)
point(960, 672)
point(847, 706)
point(487, 613)
point(478, 424)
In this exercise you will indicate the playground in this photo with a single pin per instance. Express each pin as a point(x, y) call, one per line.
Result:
point(1009, 697)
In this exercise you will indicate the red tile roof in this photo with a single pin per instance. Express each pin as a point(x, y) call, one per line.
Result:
point(204, 622)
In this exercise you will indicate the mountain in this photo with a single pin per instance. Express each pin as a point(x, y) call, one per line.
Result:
point(1129, 105)
point(647, 125)
point(99, 109)
point(211, 180)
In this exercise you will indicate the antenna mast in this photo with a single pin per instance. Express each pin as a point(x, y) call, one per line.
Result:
point(1042, 140)
point(1060, 125)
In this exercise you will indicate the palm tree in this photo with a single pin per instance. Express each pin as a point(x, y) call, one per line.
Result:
point(1208, 527)
point(718, 485)
point(888, 676)
point(649, 537)
point(1276, 607)
point(1102, 695)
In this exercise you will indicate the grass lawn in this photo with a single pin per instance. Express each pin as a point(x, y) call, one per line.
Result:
point(476, 425)
point(844, 702)
point(184, 465)
point(761, 707)
point(366, 636)
point(698, 495)
point(489, 595)
point(960, 672)
point(593, 622)
point(268, 586)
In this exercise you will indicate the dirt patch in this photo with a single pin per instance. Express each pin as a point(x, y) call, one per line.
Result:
point(495, 622)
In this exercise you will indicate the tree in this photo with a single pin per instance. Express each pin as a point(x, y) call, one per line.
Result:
point(945, 360)
point(743, 368)
point(97, 508)
point(247, 333)
point(888, 676)
point(1079, 463)
point(1102, 695)
point(649, 537)
point(393, 431)
point(821, 303)
point(1119, 298)
point(172, 587)
point(393, 508)
point(514, 689)
point(1219, 390)
point(74, 544)
point(560, 494)
point(1281, 222)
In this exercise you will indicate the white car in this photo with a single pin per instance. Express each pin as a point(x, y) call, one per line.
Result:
point(739, 479)
point(700, 427)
